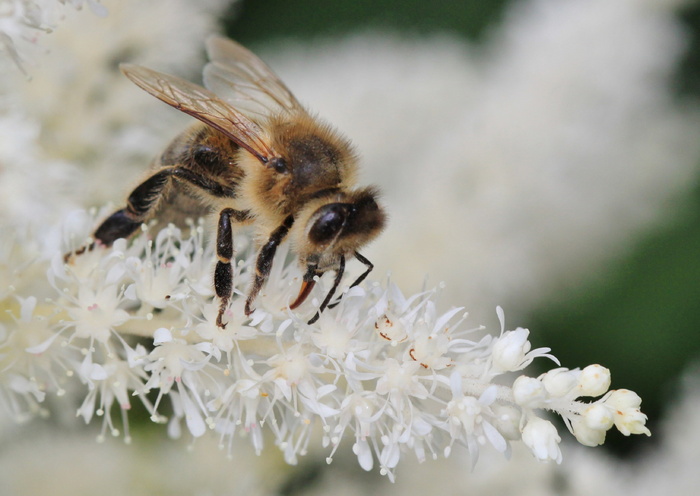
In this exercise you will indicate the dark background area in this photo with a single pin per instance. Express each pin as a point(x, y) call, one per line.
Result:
point(254, 20)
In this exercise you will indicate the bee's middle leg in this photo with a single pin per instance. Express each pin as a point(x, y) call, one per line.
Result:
point(223, 273)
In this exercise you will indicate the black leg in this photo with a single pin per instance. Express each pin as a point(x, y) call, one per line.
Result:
point(338, 276)
point(263, 264)
point(223, 274)
point(362, 277)
point(143, 201)
point(118, 225)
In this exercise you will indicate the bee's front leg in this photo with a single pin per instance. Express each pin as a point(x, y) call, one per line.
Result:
point(338, 277)
point(361, 278)
point(263, 263)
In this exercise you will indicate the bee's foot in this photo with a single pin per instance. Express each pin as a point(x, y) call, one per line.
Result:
point(70, 256)
point(248, 309)
point(219, 320)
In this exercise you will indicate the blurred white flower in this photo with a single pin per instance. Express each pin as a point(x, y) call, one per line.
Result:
point(33, 185)
point(273, 372)
point(41, 460)
point(78, 121)
point(22, 22)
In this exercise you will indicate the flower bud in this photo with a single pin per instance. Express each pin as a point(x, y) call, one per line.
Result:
point(529, 392)
point(543, 439)
point(585, 434)
point(598, 417)
point(559, 382)
point(594, 381)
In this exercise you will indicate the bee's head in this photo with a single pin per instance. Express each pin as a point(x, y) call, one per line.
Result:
point(340, 227)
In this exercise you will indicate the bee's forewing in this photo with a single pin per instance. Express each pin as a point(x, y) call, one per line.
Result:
point(204, 105)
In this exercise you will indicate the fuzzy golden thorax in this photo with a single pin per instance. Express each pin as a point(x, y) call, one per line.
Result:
point(313, 159)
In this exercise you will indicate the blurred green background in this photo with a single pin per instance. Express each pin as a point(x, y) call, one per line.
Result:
point(643, 318)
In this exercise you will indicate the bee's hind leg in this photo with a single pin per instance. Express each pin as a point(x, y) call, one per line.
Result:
point(144, 201)
point(118, 225)
point(123, 223)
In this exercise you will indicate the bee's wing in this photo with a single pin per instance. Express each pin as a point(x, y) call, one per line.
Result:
point(238, 76)
point(204, 105)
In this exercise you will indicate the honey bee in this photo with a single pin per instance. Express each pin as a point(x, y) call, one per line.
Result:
point(258, 158)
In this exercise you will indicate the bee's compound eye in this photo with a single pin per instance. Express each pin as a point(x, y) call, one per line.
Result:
point(330, 219)
point(278, 164)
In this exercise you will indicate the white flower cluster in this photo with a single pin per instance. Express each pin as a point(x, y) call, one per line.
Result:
point(389, 372)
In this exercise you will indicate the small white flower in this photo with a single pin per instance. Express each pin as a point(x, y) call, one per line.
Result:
point(560, 382)
point(23, 20)
point(594, 381)
point(153, 287)
point(530, 392)
point(624, 405)
point(430, 350)
point(543, 440)
point(401, 378)
point(511, 351)
point(31, 363)
point(598, 417)
point(169, 361)
point(585, 434)
point(471, 419)
point(225, 339)
point(96, 313)
point(390, 328)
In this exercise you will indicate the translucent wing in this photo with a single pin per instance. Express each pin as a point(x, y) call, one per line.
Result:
point(203, 105)
point(243, 80)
